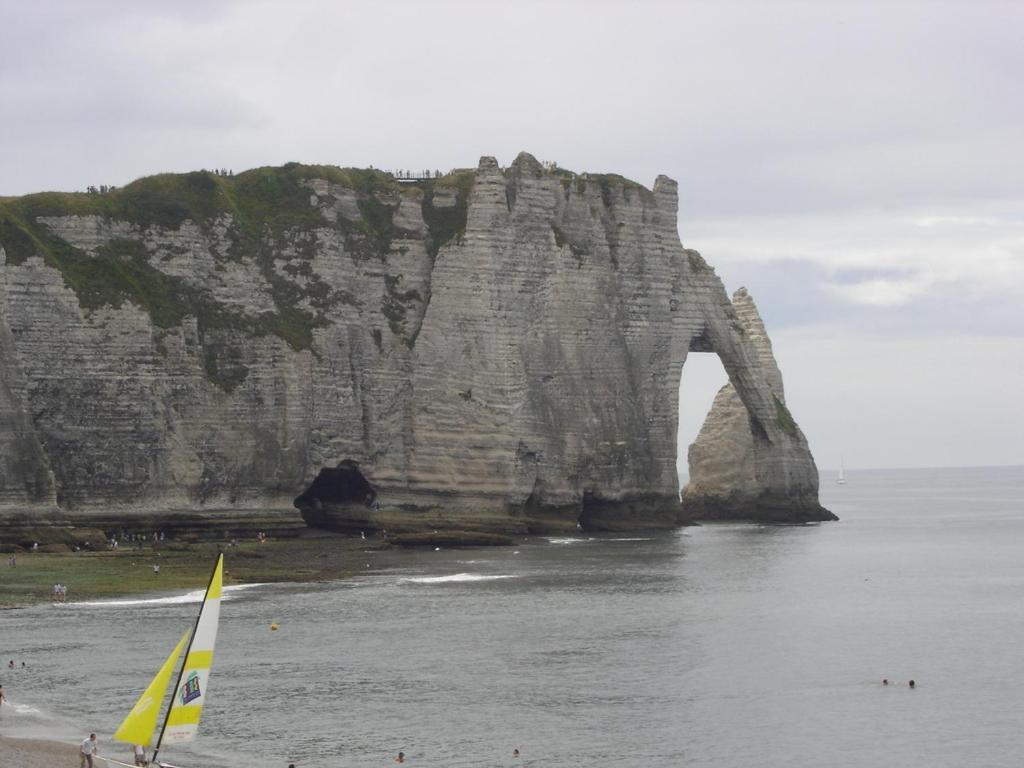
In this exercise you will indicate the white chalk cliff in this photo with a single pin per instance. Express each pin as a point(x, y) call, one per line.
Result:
point(497, 349)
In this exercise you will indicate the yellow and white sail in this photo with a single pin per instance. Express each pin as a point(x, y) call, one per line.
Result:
point(190, 695)
point(140, 724)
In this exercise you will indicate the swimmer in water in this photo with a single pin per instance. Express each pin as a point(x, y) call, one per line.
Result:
point(400, 758)
point(911, 684)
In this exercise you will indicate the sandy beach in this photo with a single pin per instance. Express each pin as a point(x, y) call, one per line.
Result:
point(42, 753)
point(36, 753)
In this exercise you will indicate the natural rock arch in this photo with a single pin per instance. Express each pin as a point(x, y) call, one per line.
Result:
point(750, 459)
point(497, 349)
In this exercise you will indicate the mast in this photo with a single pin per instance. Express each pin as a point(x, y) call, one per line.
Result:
point(184, 661)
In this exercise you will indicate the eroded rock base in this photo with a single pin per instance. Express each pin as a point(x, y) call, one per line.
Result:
point(763, 509)
point(653, 512)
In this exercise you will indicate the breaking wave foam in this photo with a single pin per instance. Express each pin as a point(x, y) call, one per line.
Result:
point(584, 539)
point(456, 577)
point(188, 597)
point(567, 540)
point(638, 538)
point(25, 709)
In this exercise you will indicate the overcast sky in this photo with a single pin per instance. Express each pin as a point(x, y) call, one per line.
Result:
point(858, 167)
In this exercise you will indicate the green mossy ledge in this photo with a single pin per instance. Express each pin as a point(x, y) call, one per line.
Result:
point(268, 208)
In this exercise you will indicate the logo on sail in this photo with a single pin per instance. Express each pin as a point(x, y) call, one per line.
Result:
point(190, 688)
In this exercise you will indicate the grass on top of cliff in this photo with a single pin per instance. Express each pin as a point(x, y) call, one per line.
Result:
point(115, 573)
point(272, 196)
point(267, 209)
point(608, 183)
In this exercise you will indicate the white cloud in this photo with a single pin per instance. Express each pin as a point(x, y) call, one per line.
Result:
point(882, 292)
point(884, 258)
point(935, 221)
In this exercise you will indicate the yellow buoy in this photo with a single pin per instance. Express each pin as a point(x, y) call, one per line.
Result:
point(273, 627)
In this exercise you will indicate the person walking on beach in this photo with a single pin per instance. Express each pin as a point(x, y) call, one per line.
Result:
point(89, 749)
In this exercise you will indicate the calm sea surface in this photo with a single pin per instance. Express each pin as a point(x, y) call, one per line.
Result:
point(725, 645)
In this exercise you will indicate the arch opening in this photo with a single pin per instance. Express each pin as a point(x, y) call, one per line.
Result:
point(703, 376)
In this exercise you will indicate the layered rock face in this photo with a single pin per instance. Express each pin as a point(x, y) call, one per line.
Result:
point(494, 350)
point(736, 471)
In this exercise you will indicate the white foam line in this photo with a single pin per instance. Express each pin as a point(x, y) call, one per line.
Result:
point(189, 597)
point(637, 539)
point(25, 709)
point(455, 577)
point(568, 540)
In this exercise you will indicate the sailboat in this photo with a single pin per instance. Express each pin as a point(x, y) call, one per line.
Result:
point(841, 480)
point(181, 720)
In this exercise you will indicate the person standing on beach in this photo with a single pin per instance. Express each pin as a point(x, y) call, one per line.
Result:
point(88, 749)
point(140, 754)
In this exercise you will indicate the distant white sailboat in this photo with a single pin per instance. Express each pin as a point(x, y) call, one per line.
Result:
point(842, 474)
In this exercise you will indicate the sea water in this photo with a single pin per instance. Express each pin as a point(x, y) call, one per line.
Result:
point(721, 645)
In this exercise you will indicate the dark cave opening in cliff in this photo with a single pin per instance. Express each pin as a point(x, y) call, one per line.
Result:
point(343, 484)
point(703, 375)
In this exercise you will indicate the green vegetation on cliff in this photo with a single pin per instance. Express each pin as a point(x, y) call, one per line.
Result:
point(784, 417)
point(261, 213)
point(446, 223)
